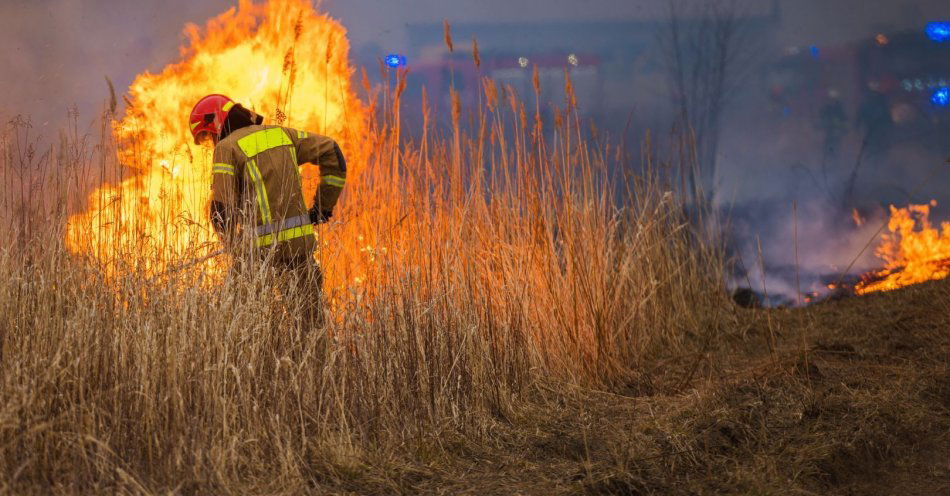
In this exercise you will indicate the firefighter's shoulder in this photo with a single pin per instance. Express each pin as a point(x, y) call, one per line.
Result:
point(233, 138)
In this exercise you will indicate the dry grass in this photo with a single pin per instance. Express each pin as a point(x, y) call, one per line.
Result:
point(865, 411)
point(517, 268)
point(534, 325)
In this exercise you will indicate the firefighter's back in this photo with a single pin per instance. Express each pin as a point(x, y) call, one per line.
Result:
point(268, 178)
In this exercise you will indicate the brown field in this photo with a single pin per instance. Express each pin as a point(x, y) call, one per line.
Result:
point(525, 321)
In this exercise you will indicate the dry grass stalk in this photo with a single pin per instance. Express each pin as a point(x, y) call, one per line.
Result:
point(475, 56)
point(447, 30)
point(472, 287)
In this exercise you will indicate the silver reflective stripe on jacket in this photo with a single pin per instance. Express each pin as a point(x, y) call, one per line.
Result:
point(292, 222)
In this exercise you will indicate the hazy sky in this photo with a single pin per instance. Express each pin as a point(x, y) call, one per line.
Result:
point(56, 52)
point(805, 20)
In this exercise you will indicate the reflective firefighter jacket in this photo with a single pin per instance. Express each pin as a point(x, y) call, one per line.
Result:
point(256, 191)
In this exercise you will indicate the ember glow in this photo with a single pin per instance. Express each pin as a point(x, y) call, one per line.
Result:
point(282, 59)
point(913, 250)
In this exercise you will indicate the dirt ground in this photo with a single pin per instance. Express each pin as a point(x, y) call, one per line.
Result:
point(854, 400)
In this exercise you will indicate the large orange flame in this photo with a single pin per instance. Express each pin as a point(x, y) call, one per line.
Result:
point(281, 58)
point(914, 251)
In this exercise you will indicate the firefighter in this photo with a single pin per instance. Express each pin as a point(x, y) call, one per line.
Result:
point(257, 201)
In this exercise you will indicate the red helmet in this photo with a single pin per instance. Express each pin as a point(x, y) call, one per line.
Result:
point(208, 116)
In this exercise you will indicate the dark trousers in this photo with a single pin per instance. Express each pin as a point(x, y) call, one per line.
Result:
point(299, 282)
point(301, 287)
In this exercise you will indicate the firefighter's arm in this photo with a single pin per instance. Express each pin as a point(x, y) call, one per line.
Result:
point(325, 153)
point(225, 194)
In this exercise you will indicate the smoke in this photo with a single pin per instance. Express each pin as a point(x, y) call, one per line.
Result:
point(784, 251)
point(58, 52)
point(772, 163)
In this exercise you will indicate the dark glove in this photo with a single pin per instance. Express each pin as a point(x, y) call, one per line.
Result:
point(318, 216)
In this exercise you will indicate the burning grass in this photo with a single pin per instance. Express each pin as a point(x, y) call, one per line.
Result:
point(913, 250)
point(470, 269)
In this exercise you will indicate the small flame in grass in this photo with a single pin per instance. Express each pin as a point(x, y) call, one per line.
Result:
point(913, 250)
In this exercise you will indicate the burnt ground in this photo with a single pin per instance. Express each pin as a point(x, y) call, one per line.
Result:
point(854, 400)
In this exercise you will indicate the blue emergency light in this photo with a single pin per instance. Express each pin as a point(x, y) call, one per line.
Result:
point(938, 31)
point(395, 60)
point(941, 97)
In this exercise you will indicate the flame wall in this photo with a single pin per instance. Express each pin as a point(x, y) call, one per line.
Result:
point(281, 58)
point(913, 250)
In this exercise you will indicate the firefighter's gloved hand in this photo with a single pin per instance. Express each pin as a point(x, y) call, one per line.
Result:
point(318, 216)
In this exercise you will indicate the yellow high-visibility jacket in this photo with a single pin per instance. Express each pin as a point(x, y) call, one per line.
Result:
point(256, 189)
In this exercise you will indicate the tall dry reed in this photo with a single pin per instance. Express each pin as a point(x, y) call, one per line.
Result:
point(493, 257)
